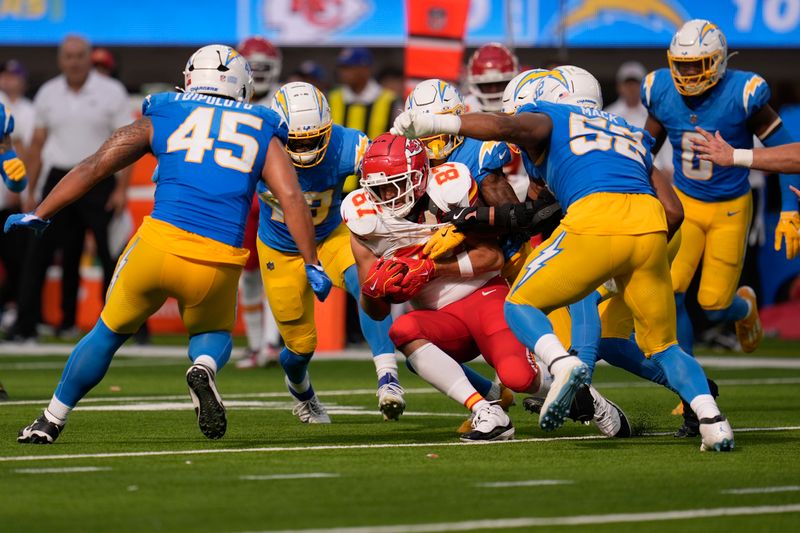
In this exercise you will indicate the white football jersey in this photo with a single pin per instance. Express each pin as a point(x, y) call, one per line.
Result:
point(450, 186)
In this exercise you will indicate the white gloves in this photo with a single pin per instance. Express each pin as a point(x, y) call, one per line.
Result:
point(415, 124)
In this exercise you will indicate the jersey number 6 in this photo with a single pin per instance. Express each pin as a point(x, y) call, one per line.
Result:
point(194, 136)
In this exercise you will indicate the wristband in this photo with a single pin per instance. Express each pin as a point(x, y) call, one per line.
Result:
point(742, 158)
point(465, 265)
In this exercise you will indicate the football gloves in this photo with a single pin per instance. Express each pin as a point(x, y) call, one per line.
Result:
point(415, 124)
point(788, 229)
point(420, 272)
point(442, 241)
point(320, 282)
point(384, 279)
point(12, 169)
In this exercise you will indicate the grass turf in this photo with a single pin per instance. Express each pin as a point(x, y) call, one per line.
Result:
point(375, 486)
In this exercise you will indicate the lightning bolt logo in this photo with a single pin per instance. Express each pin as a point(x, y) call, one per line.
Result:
point(537, 74)
point(120, 265)
point(540, 260)
point(750, 88)
point(486, 149)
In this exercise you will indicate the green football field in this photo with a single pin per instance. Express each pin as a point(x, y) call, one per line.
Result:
point(132, 458)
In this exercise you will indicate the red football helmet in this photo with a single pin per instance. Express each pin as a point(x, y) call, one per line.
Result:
point(394, 172)
point(265, 62)
point(490, 68)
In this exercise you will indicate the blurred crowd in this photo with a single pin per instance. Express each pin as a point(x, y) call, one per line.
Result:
point(74, 112)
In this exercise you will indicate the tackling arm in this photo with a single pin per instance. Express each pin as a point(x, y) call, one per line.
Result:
point(123, 148)
point(280, 177)
point(495, 190)
point(483, 256)
point(784, 158)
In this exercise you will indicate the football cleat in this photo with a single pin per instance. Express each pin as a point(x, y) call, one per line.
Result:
point(504, 400)
point(390, 397)
point(566, 383)
point(41, 431)
point(490, 423)
point(748, 329)
point(716, 434)
point(608, 417)
point(207, 401)
point(311, 411)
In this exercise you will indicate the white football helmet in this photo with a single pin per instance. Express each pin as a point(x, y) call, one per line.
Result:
point(219, 70)
point(582, 89)
point(521, 89)
point(438, 97)
point(698, 57)
point(306, 111)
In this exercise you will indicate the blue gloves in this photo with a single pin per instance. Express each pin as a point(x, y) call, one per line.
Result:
point(12, 169)
point(27, 220)
point(320, 282)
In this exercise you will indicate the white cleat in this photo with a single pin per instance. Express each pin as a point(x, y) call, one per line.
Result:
point(608, 417)
point(490, 423)
point(716, 434)
point(311, 411)
point(391, 401)
point(572, 374)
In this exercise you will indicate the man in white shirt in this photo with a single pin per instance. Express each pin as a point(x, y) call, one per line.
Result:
point(75, 113)
point(629, 106)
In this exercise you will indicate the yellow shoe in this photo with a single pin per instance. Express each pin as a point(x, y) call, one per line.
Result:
point(748, 329)
point(678, 411)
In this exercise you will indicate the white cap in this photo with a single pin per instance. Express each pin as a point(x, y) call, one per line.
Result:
point(631, 70)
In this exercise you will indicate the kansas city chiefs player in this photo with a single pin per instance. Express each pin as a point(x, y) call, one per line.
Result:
point(458, 298)
point(265, 61)
point(489, 70)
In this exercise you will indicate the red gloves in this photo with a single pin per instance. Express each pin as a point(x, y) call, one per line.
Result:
point(384, 278)
point(419, 272)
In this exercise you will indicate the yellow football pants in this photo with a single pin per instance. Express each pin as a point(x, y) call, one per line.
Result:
point(290, 297)
point(146, 276)
point(717, 232)
point(569, 266)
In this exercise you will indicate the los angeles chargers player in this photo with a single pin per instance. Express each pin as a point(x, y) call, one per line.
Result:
point(599, 168)
point(212, 147)
point(324, 154)
point(12, 169)
point(698, 90)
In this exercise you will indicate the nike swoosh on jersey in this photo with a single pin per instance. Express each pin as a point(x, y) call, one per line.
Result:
point(731, 213)
point(487, 293)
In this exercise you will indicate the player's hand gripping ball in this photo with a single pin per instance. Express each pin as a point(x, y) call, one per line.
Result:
point(384, 279)
point(418, 273)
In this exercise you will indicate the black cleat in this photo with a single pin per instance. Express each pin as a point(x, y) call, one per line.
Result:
point(41, 431)
point(532, 404)
point(582, 408)
point(207, 401)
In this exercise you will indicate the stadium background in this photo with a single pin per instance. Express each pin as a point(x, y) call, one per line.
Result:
point(151, 41)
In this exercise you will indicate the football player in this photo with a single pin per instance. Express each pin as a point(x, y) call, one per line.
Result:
point(599, 168)
point(324, 154)
point(12, 170)
point(489, 70)
point(698, 90)
point(212, 147)
point(263, 338)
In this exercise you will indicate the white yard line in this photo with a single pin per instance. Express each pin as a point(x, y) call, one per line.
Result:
point(310, 475)
point(526, 483)
point(762, 490)
point(67, 470)
point(328, 447)
point(510, 523)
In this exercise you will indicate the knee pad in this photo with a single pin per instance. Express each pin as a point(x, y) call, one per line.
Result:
point(306, 343)
point(516, 373)
point(404, 330)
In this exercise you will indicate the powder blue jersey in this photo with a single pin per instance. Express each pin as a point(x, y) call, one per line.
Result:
point(481, 157)
point(211, 152)
point(726, 107)
point(322, 185)
point(591, 151)
point(6, 121)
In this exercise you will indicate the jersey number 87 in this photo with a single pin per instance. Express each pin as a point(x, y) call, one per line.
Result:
point(194, 136)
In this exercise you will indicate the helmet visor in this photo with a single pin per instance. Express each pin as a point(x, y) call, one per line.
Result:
point(307, 148)
point(694, 75)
